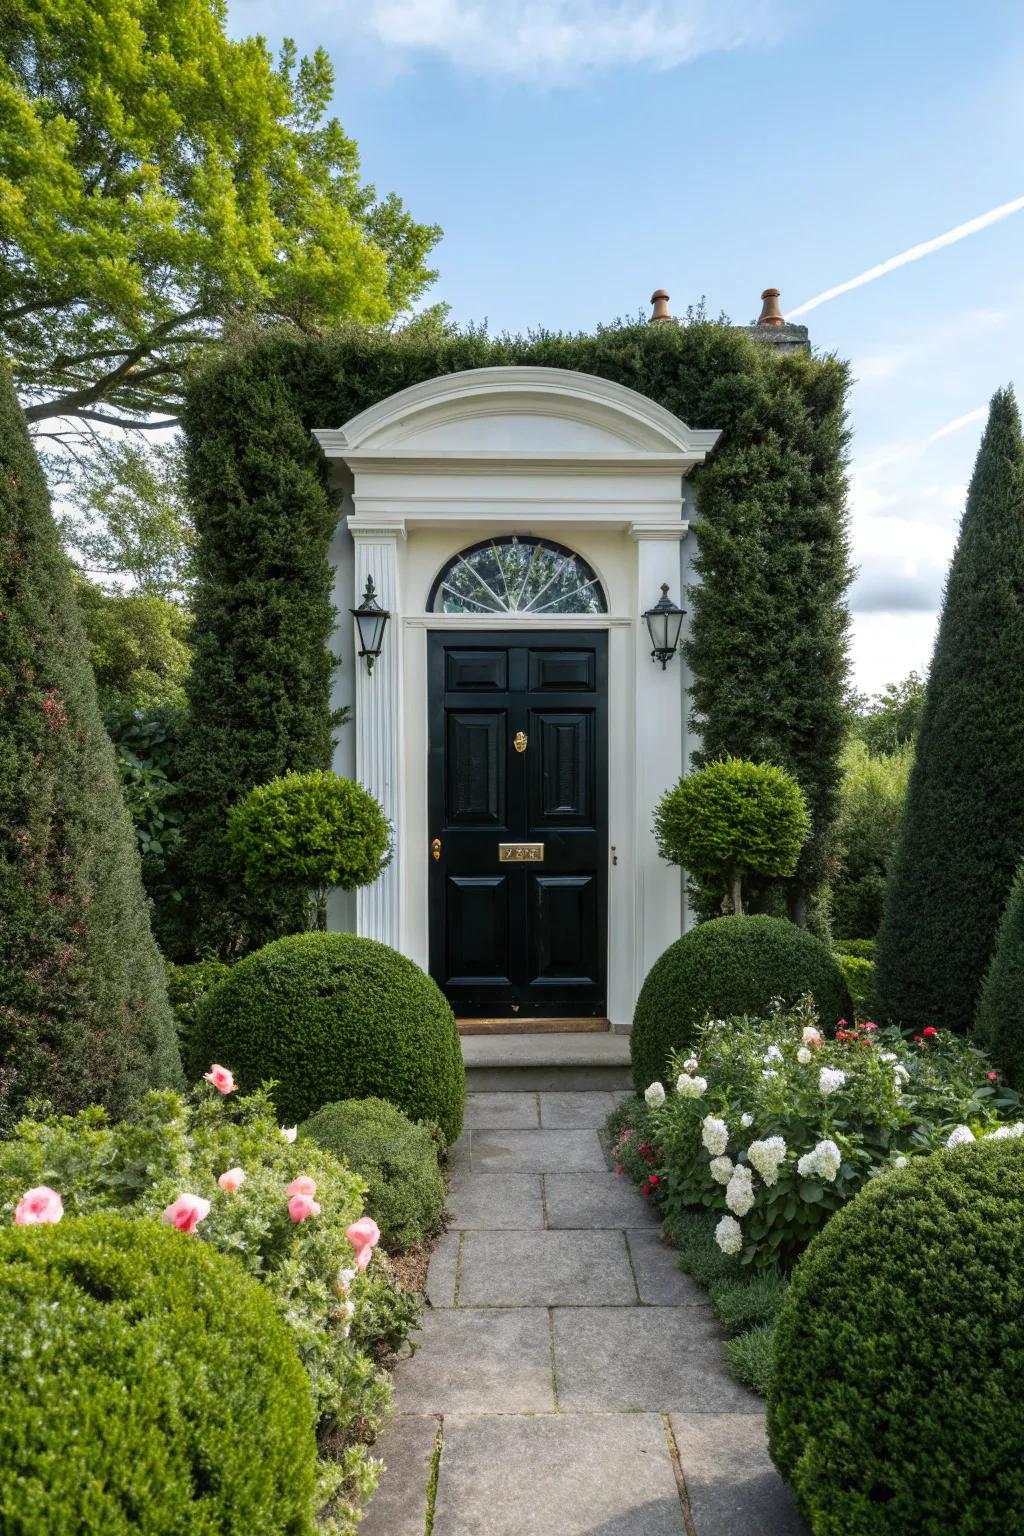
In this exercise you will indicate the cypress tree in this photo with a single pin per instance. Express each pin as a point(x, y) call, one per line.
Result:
point(84, 1016)
point(962, 834)
point(999, 1023)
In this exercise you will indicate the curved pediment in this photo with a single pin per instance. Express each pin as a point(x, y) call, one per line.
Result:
point(501, 414)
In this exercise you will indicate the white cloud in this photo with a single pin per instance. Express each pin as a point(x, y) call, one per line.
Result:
point(913, 253)
point(561, 39)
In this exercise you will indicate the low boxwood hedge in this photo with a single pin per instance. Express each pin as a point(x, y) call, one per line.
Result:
point(149, 1386)
point(897, 1401)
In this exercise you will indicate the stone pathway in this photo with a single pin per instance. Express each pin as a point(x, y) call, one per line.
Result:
point(568, 1379)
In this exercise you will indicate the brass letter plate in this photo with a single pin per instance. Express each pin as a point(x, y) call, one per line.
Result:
point(520, 853)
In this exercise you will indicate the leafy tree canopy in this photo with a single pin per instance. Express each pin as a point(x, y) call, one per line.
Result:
point(125, 517)
point(138, 645)
point(158, 180)
point(890, 719)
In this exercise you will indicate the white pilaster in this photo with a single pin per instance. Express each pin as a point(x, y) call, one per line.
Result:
point(658, 722)
point(379, 721)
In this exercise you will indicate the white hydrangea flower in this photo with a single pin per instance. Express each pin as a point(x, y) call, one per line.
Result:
point(345, 1278)
point(803, 1055)
point(773, 1053)
point(1007, 1132)
point(830, 1079)
point(887, 1055)
point(811, 1036)
point(654, 1096)
point(960, 1137)
point(715, 1135)
point(690, 1087)
point(900, 1162)
point(823, 1163)
point(769, 1072)
point(766, 1156)
point(739, 1193)
point(291, 1133)
point(721, 1169)
point(901, 1074)
point(729, 1235)
point(746, 1121)
point(691, 1064)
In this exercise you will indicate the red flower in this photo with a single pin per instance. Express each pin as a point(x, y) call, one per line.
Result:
point(618, 1168)
point(993, 1077)
point(653, 1179)
point(918, 1039)
point(869, 1025)
point(841, 1024)
point(930, 1032)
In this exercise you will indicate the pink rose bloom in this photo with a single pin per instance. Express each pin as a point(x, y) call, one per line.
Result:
point(232, 1179)
point(221, 1079)
point(186, 1213)
point(303, 1185)
point(301, 1206)
point(364, 1235)
point(39, 1207)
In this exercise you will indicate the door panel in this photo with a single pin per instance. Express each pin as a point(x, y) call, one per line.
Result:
point(518, 754)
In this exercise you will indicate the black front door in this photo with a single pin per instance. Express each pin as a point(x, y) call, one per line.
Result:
point(518, 822)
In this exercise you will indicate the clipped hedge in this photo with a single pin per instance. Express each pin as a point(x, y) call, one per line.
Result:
point(396, 1159)
point(897, 1403)
point(999, 1022)
point(187, 985)
point(149, 1386)
point(330, 1016)
point(731, 965)
point(859, 975)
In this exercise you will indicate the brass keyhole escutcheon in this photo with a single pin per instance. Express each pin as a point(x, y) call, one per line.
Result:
point(435, 848)
point(519, 741)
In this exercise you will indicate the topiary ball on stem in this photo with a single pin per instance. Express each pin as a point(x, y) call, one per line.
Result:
point(331, 1016)
point(731, 965)
point(897, 1401)
point(310, 831)
point(149, 1385)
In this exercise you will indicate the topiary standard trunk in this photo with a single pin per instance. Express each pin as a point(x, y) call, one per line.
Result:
point(84, 1015)
point(963, 827)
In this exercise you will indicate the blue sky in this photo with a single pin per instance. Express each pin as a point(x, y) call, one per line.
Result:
point(580, 153)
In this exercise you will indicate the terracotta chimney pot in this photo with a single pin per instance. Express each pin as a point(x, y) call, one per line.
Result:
point(659, 298)
point(771, 314)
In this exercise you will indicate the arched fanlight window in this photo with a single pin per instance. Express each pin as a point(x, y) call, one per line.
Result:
point(517, 574)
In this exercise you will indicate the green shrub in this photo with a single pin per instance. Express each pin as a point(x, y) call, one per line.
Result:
point(397, 1161)
point(731, 820)
point(149, 1386)
point(747, 1300)
point(84, 1014)
point(999, 1022)
point(187, 985)
point(858, 974)
point(329, 1016)
point(139, 1165)
point(861, 949)
point(751, 1357)
point(732, 965)
point(312, 832)
point(898, 1398)
point(773, 1128)
point(692, 1234)
point(870, 809)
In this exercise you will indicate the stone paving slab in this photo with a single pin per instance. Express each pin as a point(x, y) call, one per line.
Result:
point(659, 1279)
point(494, 1202)
point(442, 1271)
point(733, 1488)
point(458, 1153)
point(644, 1359)
point(546, 1269)
point(568, 1475)
point(535, 1151)
point(576, 1111)
point(596, 1200)
point(399, 1507)
point(501, 1111)
point(478, 1360)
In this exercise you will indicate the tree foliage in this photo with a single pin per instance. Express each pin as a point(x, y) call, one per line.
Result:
point(962, 834)
point(138, 646)
point(731, 819)
point(83, 1007)
point(769, 638)
point(159, 178)
point(890, 719)
point(871, 798)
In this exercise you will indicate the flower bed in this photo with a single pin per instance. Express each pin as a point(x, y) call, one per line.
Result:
point(218, 1167)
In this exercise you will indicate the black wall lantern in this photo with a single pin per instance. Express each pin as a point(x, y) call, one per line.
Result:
point(371, 622)
point(664, 621)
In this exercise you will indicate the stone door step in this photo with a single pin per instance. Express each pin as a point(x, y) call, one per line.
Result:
point(565, 1062)
point(533, 1026)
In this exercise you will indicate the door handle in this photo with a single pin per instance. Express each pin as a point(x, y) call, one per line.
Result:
point(435, 848)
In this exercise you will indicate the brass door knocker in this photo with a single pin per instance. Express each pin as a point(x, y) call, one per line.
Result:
point(435, 848)
point(519, 741)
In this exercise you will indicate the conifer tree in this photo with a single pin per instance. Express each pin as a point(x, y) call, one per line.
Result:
point(84, 1016)
point(999, 1024)
point(962, 834)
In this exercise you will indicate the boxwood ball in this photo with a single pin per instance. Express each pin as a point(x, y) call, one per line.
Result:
point(330, 1016)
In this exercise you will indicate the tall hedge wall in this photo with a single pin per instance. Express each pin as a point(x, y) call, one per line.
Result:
point(769, 629)
point(84, 1015)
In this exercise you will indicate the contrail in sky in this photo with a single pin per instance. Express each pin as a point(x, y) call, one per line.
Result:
point(915, 253)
